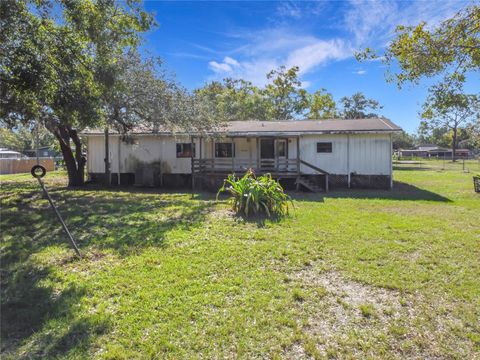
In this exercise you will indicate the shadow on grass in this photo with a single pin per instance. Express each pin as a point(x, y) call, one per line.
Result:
point(414, 168)
point(39, 320)
point(400, 191)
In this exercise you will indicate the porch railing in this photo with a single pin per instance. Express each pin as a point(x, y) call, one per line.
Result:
point(222, 165)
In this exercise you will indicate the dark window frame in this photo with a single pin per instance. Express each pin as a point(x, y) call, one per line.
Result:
point(324, 147)
point(221, 144)
point(182, 153)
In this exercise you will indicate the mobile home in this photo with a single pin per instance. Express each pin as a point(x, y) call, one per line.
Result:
point(313, 154)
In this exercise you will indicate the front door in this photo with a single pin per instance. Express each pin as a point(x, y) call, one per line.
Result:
point(267, 153)
point(281, 153)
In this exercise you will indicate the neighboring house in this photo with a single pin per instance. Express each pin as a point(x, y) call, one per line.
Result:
point(44, 151)
point(9, 154)
point(434, 151)
point(309, 153)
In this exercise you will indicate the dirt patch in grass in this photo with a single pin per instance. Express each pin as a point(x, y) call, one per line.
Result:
point(345, 318)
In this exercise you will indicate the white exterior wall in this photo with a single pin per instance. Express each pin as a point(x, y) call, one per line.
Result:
point(145, 149)
point(363, 154)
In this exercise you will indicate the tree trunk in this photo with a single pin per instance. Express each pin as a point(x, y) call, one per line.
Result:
point(74, 161)
point(454, 144)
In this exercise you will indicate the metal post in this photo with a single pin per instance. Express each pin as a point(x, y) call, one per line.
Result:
point(298, 163)
point(47, 195)
point(119, 158)
point(349, 176)
point(107, 160)
point(37, 143)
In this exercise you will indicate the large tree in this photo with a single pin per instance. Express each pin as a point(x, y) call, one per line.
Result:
point(58, 60)
point(287, 98)
point(282, 98)
point(321, 105)
point(450, 108)
point(235, 99)
point(358, 106)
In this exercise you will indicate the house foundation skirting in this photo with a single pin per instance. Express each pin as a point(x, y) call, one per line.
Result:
point(214, 182)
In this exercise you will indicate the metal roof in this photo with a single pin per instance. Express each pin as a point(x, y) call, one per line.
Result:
point(288, 127)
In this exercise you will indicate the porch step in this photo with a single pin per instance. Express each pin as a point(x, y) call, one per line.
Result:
point(309, 184)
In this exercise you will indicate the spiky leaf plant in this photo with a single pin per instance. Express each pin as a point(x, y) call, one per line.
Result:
point(252, 195)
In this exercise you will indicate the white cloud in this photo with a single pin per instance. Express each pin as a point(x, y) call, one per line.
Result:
point(374, 22)
point(219, 67)
point(318, 53)
point(363, 23)
point(269, 49)
point(230, 61)
point(289, 9)
point(227, 66)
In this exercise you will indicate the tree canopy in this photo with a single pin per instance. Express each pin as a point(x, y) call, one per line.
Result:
point(322, 105)
point(449, 50)
point(358, 106)
point(58, 59)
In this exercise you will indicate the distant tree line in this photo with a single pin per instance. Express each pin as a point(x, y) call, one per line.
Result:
point(282, 98)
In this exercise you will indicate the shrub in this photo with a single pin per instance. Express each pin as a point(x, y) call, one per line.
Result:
point(256, 195)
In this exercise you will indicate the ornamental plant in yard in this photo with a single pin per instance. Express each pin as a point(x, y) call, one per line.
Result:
point(254, 195)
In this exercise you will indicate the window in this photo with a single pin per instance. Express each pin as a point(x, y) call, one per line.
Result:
point(184, 150)
point(324, 147)
point(224, 150)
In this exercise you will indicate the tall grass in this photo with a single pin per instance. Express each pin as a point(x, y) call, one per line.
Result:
point(256, 195)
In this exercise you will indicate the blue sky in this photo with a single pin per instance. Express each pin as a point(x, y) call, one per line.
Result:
point(202, 41)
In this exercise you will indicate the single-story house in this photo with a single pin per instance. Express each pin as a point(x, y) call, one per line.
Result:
point(43, 151)
point(9, 154)
point(313, 154)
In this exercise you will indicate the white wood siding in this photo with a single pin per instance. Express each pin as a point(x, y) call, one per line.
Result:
point(364, 154)
point(145, 149)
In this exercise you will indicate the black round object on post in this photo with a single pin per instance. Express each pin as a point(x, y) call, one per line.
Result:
point(38, 175)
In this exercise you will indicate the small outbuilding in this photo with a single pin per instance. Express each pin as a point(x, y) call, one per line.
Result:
point(311, 154)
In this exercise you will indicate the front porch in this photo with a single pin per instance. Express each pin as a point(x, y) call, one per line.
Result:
point(278, 156)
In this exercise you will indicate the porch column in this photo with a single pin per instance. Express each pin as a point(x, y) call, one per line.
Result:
point(233, 155)
point(257, 139)
point(249, 152)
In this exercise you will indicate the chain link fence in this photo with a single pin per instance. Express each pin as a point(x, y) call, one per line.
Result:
point(446, 164)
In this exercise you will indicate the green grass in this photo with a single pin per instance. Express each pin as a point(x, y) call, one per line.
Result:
point(383, 274)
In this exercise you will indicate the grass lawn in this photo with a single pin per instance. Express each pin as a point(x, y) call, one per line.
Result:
point(351, 274)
